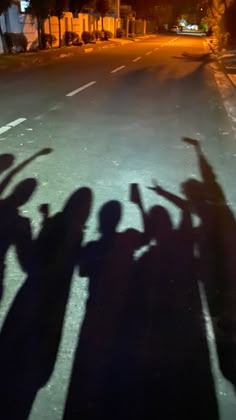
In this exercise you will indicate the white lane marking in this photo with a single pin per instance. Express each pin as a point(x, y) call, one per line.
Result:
point(156, 49)
point(16, 122)
point(136, 59)
point(149, 52)
point(74, 92)
point(166, 43)
point(4, 129)
point(12, 124)
point(117, 69)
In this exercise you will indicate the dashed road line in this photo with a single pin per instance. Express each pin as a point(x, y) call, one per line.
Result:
point(74, 92)
point(4, 129)
point(16, 122)
point(12, 124)
point(117, 69)
point(136, 59)
point(148, 53)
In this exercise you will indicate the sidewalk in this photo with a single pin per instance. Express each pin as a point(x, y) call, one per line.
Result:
point(27, 60)
point(226, 57)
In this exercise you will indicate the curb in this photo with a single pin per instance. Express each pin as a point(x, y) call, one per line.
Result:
point(232, 79)
point(230, 76)
point(46, 57)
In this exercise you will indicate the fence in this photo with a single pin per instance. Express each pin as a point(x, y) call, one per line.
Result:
point(13, 21)
point(84, 22)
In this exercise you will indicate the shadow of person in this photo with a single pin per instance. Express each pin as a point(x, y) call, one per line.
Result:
point(94, 254)
point(162, 362)
point(32, 330)
point(202, 58)
point(108, 262)
point(8, 211)
point(217, 246)
point(14, 228)
point(127, 395)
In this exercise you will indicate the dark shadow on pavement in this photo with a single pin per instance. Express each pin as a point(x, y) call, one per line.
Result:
point(202, 58)
point(108, 262)
point(15, 229)
point(32, 329)
point(143, 347)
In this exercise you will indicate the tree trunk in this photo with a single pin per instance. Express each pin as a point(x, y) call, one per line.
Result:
point(4, 45)
point(211, 9)
point(39, 33)
point(49, 24)
point(59, 30)
point(102, 23)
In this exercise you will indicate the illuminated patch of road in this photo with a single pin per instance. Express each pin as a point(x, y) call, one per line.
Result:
point(12, 124)
point(81, 88)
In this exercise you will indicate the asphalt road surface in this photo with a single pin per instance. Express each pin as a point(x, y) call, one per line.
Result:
point(113, 118)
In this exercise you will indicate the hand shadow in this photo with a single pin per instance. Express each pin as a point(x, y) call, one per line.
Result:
point(217, 247)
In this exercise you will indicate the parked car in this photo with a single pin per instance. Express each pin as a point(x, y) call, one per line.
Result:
point(192, 27)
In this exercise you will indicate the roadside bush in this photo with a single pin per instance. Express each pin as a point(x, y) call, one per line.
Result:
point(48, 40)
point(107, 35)
point(92, 37)
point(16, 43)
point(71, 38)
point(120, 33)
point(86, 37)
point(101, 35)
point(97, 34)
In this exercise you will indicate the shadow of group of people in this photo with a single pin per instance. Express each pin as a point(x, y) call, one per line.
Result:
point(142, 350)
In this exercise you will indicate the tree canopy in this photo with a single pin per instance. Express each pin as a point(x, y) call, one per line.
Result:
point(4, 4)
point(40, 8)
point(103, 7)
point(75, 6)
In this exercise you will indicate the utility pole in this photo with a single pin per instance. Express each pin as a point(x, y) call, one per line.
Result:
point(117, 15)
point(117, 8)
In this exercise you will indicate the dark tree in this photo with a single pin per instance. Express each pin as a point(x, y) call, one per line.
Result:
point(103, 7)
point(4, 5)
point(75, 6)
point(40, 9)
point(59, 7)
